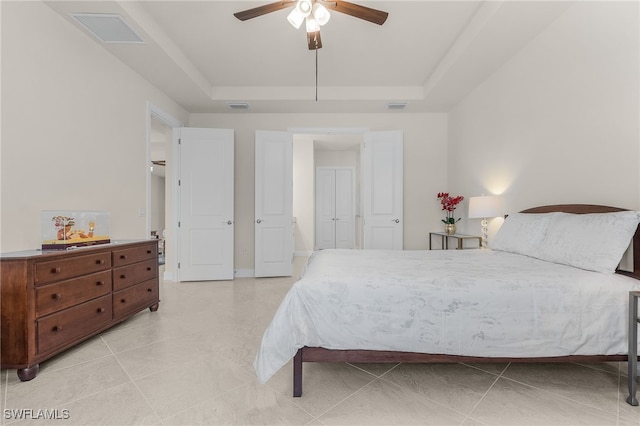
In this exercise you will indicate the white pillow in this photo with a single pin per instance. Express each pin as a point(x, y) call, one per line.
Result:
point(594, 241)
point(522, 233)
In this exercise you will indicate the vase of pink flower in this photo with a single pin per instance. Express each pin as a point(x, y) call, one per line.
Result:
point(449, 205)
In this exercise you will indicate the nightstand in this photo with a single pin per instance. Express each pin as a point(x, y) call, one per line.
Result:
point(444, 240)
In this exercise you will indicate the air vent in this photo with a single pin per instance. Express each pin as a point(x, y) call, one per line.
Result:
point(107, 28)
point(396, 105)
point(238, 105)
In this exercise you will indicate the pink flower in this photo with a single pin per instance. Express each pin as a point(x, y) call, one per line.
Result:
point(449, 204)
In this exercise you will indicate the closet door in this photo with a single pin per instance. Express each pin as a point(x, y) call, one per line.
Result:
point(273, 225)
point(325, 208)
point(335, 218)
point(382, 190)
point(345, 209)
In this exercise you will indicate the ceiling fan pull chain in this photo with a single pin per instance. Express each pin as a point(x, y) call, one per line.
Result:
point(316, 75)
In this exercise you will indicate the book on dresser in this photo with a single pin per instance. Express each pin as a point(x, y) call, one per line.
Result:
point(53, 300)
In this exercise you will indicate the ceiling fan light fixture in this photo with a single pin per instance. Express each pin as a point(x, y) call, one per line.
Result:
point(320, 14)
point(304, 7)
point(312, 25)
point(295, 18)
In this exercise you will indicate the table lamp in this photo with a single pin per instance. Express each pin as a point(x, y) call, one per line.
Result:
point(485, 206)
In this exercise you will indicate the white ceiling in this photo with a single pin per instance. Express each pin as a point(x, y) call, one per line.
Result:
point(429, 54)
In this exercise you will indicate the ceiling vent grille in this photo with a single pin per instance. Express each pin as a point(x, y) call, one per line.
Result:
point(396, 105)
point(108, 28)
point(238, 105)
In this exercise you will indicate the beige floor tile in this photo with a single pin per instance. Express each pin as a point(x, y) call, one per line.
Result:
point(250, 404)
point(512, 403)
point(55, 388)
point(116, 406)
point(164, 355)
point(384, 403)
point(375, 368)
point(455, 386)
point(324, 384)
point(188, 384)
point(593, 387)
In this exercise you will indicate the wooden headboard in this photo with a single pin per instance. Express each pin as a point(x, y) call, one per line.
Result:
point(592, 208)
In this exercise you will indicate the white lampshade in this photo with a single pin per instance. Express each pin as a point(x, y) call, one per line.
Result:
point(485, 206)
point(320, 14)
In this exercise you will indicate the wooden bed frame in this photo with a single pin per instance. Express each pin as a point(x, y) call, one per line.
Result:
point(312, 354)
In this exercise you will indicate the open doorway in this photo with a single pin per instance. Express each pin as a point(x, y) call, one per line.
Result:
point(325, 151)
point(160, 209)
point(159, 143)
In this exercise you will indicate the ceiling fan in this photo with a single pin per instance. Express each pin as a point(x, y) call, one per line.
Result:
point(315, 13)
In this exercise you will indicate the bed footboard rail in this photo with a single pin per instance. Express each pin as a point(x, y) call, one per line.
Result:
point(312, 354)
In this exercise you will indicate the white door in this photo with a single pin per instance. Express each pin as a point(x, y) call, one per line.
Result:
point(273, 204)
point(205, 217)
point(335, 207)
point(382, 195)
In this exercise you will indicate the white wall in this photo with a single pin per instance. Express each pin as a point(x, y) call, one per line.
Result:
point(425, 168)
point(558, 123)
point(73, 127)
point(303, 193)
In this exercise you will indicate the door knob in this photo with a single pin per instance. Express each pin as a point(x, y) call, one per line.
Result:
point(259, 221)
point(395, 220)
point(229, 222)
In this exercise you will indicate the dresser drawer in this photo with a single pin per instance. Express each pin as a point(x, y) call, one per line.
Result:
point(135, 298)
point(66, 326)
point(134, 274)
point(61, 269)
point(55, 297)
point(128, 256)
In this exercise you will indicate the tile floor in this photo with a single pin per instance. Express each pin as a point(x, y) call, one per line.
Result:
point(190, 363)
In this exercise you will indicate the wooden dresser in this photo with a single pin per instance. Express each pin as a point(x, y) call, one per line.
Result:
point(52, 300)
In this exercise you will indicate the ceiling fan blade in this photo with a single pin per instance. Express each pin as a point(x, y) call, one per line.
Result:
point(368, 14)
point(263, 10)
point(314, 40)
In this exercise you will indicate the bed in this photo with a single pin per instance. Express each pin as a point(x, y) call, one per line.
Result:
point(551, 290)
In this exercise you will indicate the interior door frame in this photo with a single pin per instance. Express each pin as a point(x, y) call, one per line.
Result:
point(154, 111)
point(326, 131)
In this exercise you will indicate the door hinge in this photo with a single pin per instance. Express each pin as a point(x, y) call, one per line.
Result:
point(179, 182)
point(179, 224)
point(178, 265)
point(179, 141)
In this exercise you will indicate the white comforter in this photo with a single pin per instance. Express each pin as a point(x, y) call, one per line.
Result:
point(460, 302)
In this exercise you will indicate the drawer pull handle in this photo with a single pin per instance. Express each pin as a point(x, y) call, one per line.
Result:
point(150, 290)
point(123, 300)
point(55, 270)
point(100, 262)
point(57, 296)
point(148, 251)
point(99, 282)
point(100, 310)
point(148, 268)
point(123, 256)
point(57, 328)
point(123, 276)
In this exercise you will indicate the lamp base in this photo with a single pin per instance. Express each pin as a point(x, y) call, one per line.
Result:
point(484, 223)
